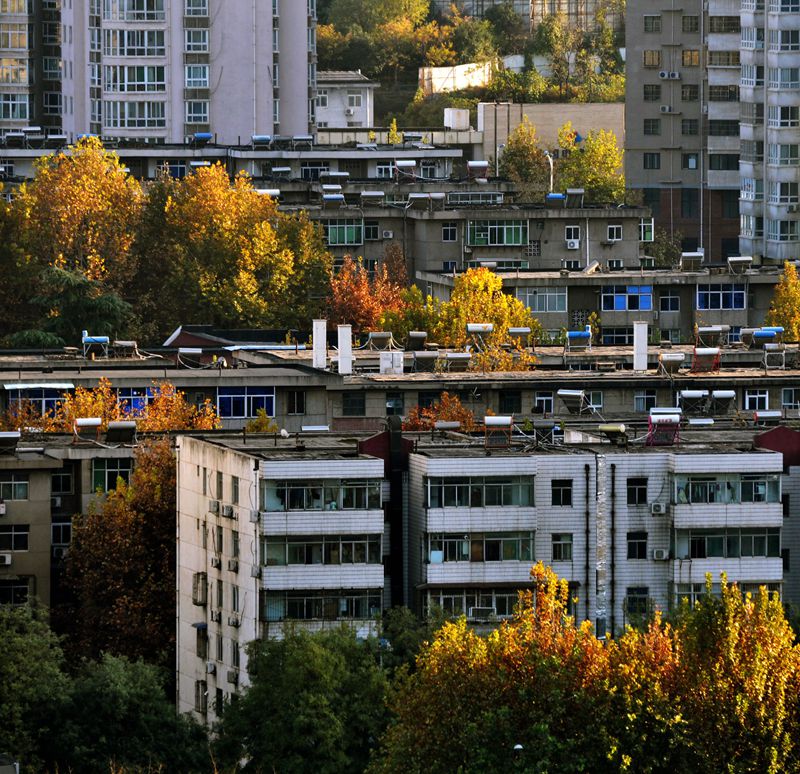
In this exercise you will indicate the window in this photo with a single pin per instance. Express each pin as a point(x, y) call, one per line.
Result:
point(572, 233)
point(15, 71)
point(497, 233)
point(244, 402)
point(651, 58)
point(726, 162)
point(646, 229)
point(784, 40)
point(14, 107)
point(723, 59)
point(322, 98)
point(296, 402)
point(14, 537)
point(196, 76)
point(197, 111)
point(449, 231)
point(479, 492)
point(622, 298)
point(723, 24)
point(371, 231)
point(13, 486)
point(651, 161)
point(327, 549)
point(354, 99)
point(637, 601)
point(784, 77)
point(652, 23)
point(395, 404)
point(790, 397)
point(637, 545)
point(755, 400)
point(724, 296)
point(195, 41)
point(13, 592)
point(562, 546)
point(691, 23)
point(342, 232)
point(690, 202)
point(783, 115)
point(61, 533)
point(637, 491)
point(644, 400)
point(510, 402)
point(321, 605)
point(106, 472)
point(688, 161)
point(723, 128)
point(594, 399)
point(543, 403)
point(134, 115)
point(14, 36)
point(652, 126)
point(235, 494)
point(307, 496)
point(670, 301)
point(545, 299)
point(354, 404)
point(134, 10)
point(689, 126)
point(491, 547)
point(60, 483)
point(690, 92)
point(561, 492)
point(614, 232)
point(752, 75)
point(752, 189)
point(723, 93)
point(652, 92)
point(728, 543)
point(621, 335)
point(138, 43)
point(196, 8)
point(690, 58)
point(783, 155)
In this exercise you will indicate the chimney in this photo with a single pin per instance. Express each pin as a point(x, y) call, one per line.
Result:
point(640, 346)
point(320, 342)
point(345, 349)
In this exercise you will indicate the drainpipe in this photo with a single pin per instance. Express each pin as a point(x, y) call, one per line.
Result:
point(587, 518)
point(612, 583)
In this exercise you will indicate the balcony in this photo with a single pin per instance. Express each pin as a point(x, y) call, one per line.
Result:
point(322, 576)
point(744, 570)
point(720, 515)
point(471, 573)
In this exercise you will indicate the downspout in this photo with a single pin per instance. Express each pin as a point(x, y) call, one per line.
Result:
point(587, 519)
point(612, 583)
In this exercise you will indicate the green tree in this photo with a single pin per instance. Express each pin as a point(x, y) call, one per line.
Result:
point(31, 681)
point(348, 15)
point(524, 161)
point(785, 307)
point(473, 40)
point(121, 566)
point(509, 29)
point(315, 703)
point(665, 248)
point(115, 716)
point(595, 165)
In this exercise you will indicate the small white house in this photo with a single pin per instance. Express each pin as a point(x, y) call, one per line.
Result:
point(345, 98)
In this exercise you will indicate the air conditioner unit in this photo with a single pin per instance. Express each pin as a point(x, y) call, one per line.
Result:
point(254, 517)
point(388, 234)
point(216, 616)
point(213, 506)
point(216, 561)
point(211, 668)
point(673, 76)
point(573, 244)
point(233, 676)
point(55, 502)
point(255, 572)
point(5, 560)
point(792, 208)
point(660, 554)
point(655, 314)
point(663, 74)
point(60, 552)
point(658, 509)
point(233, 620)
point(349, 111)
point(2, 508)
point(227, 511)
point(233, 565)
point(666, 108)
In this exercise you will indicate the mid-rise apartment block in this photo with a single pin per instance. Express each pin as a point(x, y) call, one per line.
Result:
point(158, 70)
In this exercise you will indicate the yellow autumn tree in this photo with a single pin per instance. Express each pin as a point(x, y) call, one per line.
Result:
point(594, 164)
point(785, 307)
point(80, 213)
point(523, 159)
point(478, 297)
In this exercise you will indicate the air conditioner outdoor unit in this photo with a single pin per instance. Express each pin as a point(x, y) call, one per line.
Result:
point(5, 560)
point(388, 234)
point(211, 667)
point(792, 208)
point(213, 506)
point(660, 554)
point(2, 509)
point(673, 76)
point(658, 509)
point(663, 74)
point(573, 244)
point(666, 108)
point(216, 616)
point(349, 111)
point(60, 552)
point(227, 511)
point(55, 502)
point(254, 516)
point(233, 676)
point(233, 565)
point(255, 572)
point(216, 561)
point(233, 620)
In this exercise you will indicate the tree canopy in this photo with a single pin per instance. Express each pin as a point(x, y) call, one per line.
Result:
point(594, 164)
point(785, 307)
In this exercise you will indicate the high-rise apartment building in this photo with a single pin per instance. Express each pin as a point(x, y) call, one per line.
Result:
point(682, 119)
point(770, 128)
point(30, 64)
point(159, 70)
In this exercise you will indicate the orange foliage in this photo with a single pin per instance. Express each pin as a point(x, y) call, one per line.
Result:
point(447, 409)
